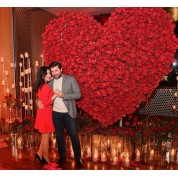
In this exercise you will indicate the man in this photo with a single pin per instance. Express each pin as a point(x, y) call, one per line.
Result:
point(64, 111)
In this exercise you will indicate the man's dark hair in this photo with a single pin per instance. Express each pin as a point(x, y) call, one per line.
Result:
point(54, 64)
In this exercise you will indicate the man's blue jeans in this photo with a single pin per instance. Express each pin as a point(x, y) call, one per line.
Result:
point(61, 121)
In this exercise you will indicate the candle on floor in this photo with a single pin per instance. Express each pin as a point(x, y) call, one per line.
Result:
point(172, 155)
point(88, 152)
point(95, 157)
point(20, 143)
point(151, 155)
point(137, 155)
point(127, 162)
point(115, 160)
point(103, 157)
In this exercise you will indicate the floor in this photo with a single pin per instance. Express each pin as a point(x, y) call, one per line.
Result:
point(23, 159)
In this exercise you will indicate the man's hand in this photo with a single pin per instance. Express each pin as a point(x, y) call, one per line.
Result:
point(40, 104)
point(60, 94)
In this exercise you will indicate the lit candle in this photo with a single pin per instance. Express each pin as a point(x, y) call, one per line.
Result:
point(3, 82)
point(21, 56)
point(11, 65)
point(29, 70)
point(115, 160)
point(151, 155)
point(13, 86)
point(172, 155)
point(30, 89)
point(36, 64)
point(20, 143)
point(7, 90)
point(26, 90)
point(137, 155)
point(103, 157)
point(7, 73)
point(26, 54)
point(127, 162)
point(113, 153)
point(2, 60)
point(20, 84)
point(26, 107)
point(175, 94)
point(95, 157)
point(88, 152)
point(174, 107)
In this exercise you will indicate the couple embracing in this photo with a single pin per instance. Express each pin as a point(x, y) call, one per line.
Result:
point(57, 111)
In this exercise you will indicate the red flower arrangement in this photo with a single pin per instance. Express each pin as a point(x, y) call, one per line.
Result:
point(118, 65)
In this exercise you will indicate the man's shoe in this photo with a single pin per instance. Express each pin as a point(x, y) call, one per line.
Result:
point(61, 161)
point(79, 163)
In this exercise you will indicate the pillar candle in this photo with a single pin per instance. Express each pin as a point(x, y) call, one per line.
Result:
point(26, 55)
point(115, 160)
point(88, 152)
point(7, 73)
point(172, 154)
point(20, 143)
point(95, 157)
point(36, 63)
point(3, 82)
point(137, 155)
point(127, 164)
point(151, 155)
point(2, 60)
point(11, 65)
point(103, 157)
point(7, 90)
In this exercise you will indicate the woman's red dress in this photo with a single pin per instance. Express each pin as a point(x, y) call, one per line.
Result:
point(44, 121)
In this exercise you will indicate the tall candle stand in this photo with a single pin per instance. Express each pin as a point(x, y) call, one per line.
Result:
point(26, 83)
point(3, 73)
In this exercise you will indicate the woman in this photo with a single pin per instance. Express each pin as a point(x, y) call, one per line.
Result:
point(44, 122)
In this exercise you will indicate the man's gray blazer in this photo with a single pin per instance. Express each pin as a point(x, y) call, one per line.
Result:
point(71, 91)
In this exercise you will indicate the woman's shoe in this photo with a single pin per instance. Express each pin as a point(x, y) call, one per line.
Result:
point(38, 157)
point(44, 161)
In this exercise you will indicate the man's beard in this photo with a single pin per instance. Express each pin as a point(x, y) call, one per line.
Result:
point(57, 76)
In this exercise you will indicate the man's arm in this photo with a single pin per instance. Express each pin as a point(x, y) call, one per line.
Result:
point(75, 93)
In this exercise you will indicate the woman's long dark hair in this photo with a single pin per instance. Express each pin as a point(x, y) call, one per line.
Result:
point(42, 72)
